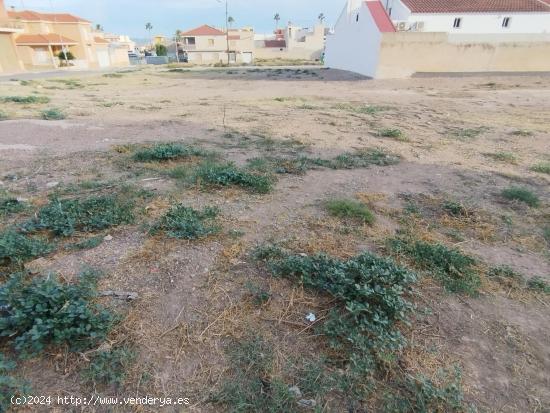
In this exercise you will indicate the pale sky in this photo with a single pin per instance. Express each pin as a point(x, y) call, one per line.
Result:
point(166, 16)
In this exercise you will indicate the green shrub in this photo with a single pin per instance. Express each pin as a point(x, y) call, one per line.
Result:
point(226, 174)
point(349, 208)
point(504, 271)
point(26, 99)
point(371, 292)
point(455, 209)
point(391, 133)
point(42, 311)
point(542, 167)
point(52, 114)
point(539, 284)
point(187, 223)
point(9, 385)
point(522, 132)
point(546, 233)
point(363, 159)
point(524, 195)
point(468, 133)
point(113, 75)
point(507, 157)
point(87, 244)
point(65, 217)
point(109, 367)
point(421, 394)
point(11, 205)
point(453, 268)
point(16, 248)
point(166, 152)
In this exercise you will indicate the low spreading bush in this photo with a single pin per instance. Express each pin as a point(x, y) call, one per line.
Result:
point(226, 174)
point(11, 205)
point(166, 152)
point(66, 216)
point(543, 168)
point(520, 194)
point(539, 284)
point(349, 208)
point(109, 367)
point(187, 223)
point(26, 99)
point(450, 266)
point(363, 159)
point(16, 248)
point(52, 114)
point(371, 291)
point(9, 386)
point(42, 311)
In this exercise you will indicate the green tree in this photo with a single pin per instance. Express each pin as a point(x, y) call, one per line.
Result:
point(149, 28)
point(277, 18)
point(161, 50)
point(230, 21)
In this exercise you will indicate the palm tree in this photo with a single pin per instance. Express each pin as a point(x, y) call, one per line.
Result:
point(149, 27)
point(230, 21)
point(321, 18)
point(98, 27)
point(277, 18)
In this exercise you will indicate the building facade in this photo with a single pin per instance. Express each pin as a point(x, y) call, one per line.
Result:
point(397, 38)
point(292, 42)
point(208, 45)
point(36, 41)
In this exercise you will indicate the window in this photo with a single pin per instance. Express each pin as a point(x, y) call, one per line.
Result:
point(357, 17)
point(210, 42)
point(506, 22)
point(457, 23)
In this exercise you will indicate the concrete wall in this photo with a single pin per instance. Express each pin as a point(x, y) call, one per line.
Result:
point(484, 23)
point(277, 53)
point(355, 44)
point(9, 60)
point(403, 54)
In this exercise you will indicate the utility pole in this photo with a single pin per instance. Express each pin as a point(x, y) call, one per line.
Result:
point(227, 28)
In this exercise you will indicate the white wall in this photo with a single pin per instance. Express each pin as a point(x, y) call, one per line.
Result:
point(483, 23)
point(397, 10)
point(355, 45)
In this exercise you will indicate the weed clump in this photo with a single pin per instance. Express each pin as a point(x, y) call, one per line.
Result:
point(52, 114)
point(363, 159)
point(17, 248)
point(42, 311)
point(226, 174)
point(187, 223)
point(391, 133)
point(421, 394)
point(539, 284)
point(521, 194)
point(109, 367)
point(66, 216)
point(450, 266)
point(454, 209)
point(251, 387)
point(507, 157)
point(349, 208)
point(371, 291)
point(543, 168)
point(26, 99)
point(11, 206)
point(166, 152)
point(9, 385)
point(3, 115)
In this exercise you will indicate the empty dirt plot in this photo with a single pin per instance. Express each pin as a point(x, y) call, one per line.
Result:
point(293, 239)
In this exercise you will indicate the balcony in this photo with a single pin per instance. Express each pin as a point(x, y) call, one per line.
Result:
point(187, 47)
point(10, 27)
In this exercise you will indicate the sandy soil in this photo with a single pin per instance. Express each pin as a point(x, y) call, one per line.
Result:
point(452, 128)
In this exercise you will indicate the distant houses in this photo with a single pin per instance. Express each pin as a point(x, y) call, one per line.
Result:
point(397, 38)
point(210, 45)
point(31, 40)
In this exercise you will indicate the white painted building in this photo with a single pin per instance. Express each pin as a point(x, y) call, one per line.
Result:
point(396, 38)
point(470, 16)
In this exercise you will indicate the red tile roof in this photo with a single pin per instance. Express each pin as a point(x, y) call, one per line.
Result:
point(43, 40)
point(204, 30)
point(477, 6)
point(34, 16)
point(380, 16)
point(275, 43)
